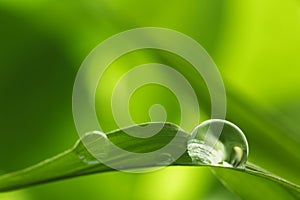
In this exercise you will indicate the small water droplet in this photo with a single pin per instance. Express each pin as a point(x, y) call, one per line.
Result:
point(95, 147)
point(219, 143)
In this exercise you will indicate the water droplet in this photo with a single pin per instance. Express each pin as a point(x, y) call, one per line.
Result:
point(219, 143)
point(94, 145)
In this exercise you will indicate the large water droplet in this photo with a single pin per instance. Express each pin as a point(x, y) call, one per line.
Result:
point(219, 143)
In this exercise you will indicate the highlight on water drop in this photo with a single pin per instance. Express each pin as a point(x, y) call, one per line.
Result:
point(218, 142)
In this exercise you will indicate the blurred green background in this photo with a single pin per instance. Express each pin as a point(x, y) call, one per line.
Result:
point(255, 44)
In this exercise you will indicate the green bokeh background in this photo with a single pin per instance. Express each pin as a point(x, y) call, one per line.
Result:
point(255, 44)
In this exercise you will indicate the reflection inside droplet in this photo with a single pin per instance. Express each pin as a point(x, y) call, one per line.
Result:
point(219, 143)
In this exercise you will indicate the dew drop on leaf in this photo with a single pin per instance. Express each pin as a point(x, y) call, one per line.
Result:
point(96, 143)
point(218, 142)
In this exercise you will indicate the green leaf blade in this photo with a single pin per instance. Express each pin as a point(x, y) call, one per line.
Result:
point(71, 164)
